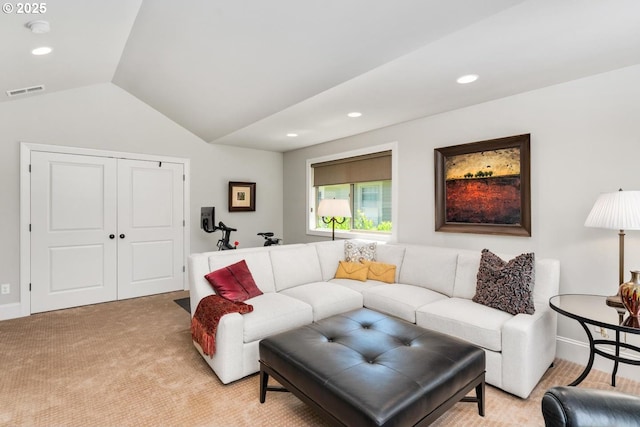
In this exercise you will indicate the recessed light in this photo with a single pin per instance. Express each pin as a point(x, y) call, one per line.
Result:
point(468, 78)
point(44, 50)
point(292, 135)
point(354, 114)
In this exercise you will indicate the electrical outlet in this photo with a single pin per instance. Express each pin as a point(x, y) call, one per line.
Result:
point(5, 288)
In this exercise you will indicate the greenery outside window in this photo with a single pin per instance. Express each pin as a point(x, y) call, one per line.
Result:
point(365, 181)
point(371, 206)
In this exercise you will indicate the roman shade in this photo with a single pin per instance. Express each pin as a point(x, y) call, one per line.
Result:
point(365, 168)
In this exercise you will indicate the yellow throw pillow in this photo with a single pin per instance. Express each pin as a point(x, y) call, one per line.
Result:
point(352, 270)
point(381, 271)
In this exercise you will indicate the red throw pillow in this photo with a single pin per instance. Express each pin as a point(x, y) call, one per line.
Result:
point(241, 272)
point(234, 282)
point(226, 285)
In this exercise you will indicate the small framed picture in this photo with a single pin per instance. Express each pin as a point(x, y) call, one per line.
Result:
point(242, 196)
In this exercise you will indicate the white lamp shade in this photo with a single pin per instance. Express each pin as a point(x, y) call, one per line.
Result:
point(619, 210)
point(334, 208)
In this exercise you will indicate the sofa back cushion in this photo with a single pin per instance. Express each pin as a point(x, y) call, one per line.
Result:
point(295, 265)
point(430, 267)
point(466, 274)
point(330, 253)
point(391, 254)
point(547, 281)
point(258, 262)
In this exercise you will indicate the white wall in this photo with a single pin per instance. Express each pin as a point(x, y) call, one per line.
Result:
point(585, 139)
point(107, 118)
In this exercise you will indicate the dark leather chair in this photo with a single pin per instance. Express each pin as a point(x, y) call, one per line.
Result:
point(581, 407)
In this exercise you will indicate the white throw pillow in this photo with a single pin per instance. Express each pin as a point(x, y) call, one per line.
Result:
point(355, 252)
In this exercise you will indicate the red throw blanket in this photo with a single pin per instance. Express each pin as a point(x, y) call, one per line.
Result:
point(207, 316)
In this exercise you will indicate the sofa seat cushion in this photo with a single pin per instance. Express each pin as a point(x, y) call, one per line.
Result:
point(399, 300)
point(326, 299)
point(465, 319)
point(356, 285)
point(274, 313)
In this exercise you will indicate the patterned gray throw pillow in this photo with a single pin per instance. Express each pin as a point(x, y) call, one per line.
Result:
point(506, 285)
point(353, 252)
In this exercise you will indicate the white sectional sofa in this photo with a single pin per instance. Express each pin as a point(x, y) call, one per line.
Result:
point(434, 287)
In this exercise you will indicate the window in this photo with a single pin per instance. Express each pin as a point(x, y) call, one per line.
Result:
point(366, 181)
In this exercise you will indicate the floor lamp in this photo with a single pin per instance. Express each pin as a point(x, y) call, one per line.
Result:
point(331, 209)
point(619, 210)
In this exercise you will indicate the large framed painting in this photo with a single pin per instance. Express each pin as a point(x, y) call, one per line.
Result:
point(484, 187)
point(242, 196)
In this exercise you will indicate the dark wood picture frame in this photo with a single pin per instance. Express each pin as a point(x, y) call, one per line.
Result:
point(242, 196)
point(493, 196)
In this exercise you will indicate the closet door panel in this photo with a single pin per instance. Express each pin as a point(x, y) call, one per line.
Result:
point(150, 227)
point(73, 215)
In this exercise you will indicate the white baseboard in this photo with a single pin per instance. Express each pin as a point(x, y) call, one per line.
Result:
point(578, 352)
point(10, 311)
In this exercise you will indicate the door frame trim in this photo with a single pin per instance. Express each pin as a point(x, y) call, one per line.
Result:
point(25, 204)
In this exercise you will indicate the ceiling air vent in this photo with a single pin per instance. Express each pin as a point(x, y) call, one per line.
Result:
point(26, 90)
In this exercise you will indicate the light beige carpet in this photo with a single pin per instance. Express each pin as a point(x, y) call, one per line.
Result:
point(132, 363)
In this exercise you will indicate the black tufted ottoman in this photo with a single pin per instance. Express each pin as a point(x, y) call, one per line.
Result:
point(364, 368)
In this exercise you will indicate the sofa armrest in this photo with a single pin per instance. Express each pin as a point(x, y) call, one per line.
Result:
point(528, 349)
point(227, 363)
point(228, 359)
point(574, 407)
point(198, 267)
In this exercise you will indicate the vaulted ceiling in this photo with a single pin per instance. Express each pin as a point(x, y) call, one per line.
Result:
point(249, 72)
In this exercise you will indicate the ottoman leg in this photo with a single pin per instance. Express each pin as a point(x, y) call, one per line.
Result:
point(264, 380)
point(480, 397)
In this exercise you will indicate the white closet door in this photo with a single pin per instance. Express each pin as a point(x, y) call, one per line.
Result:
point(73, 215)
point(150, 228)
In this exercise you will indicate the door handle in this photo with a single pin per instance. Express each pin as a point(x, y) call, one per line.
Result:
point(112, 236)
point(122, 236)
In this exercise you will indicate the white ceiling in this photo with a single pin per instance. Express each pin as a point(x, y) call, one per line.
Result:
point(248, 72)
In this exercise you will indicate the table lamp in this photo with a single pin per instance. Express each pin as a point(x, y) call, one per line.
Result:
point(619, 210)
point(332, 209)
